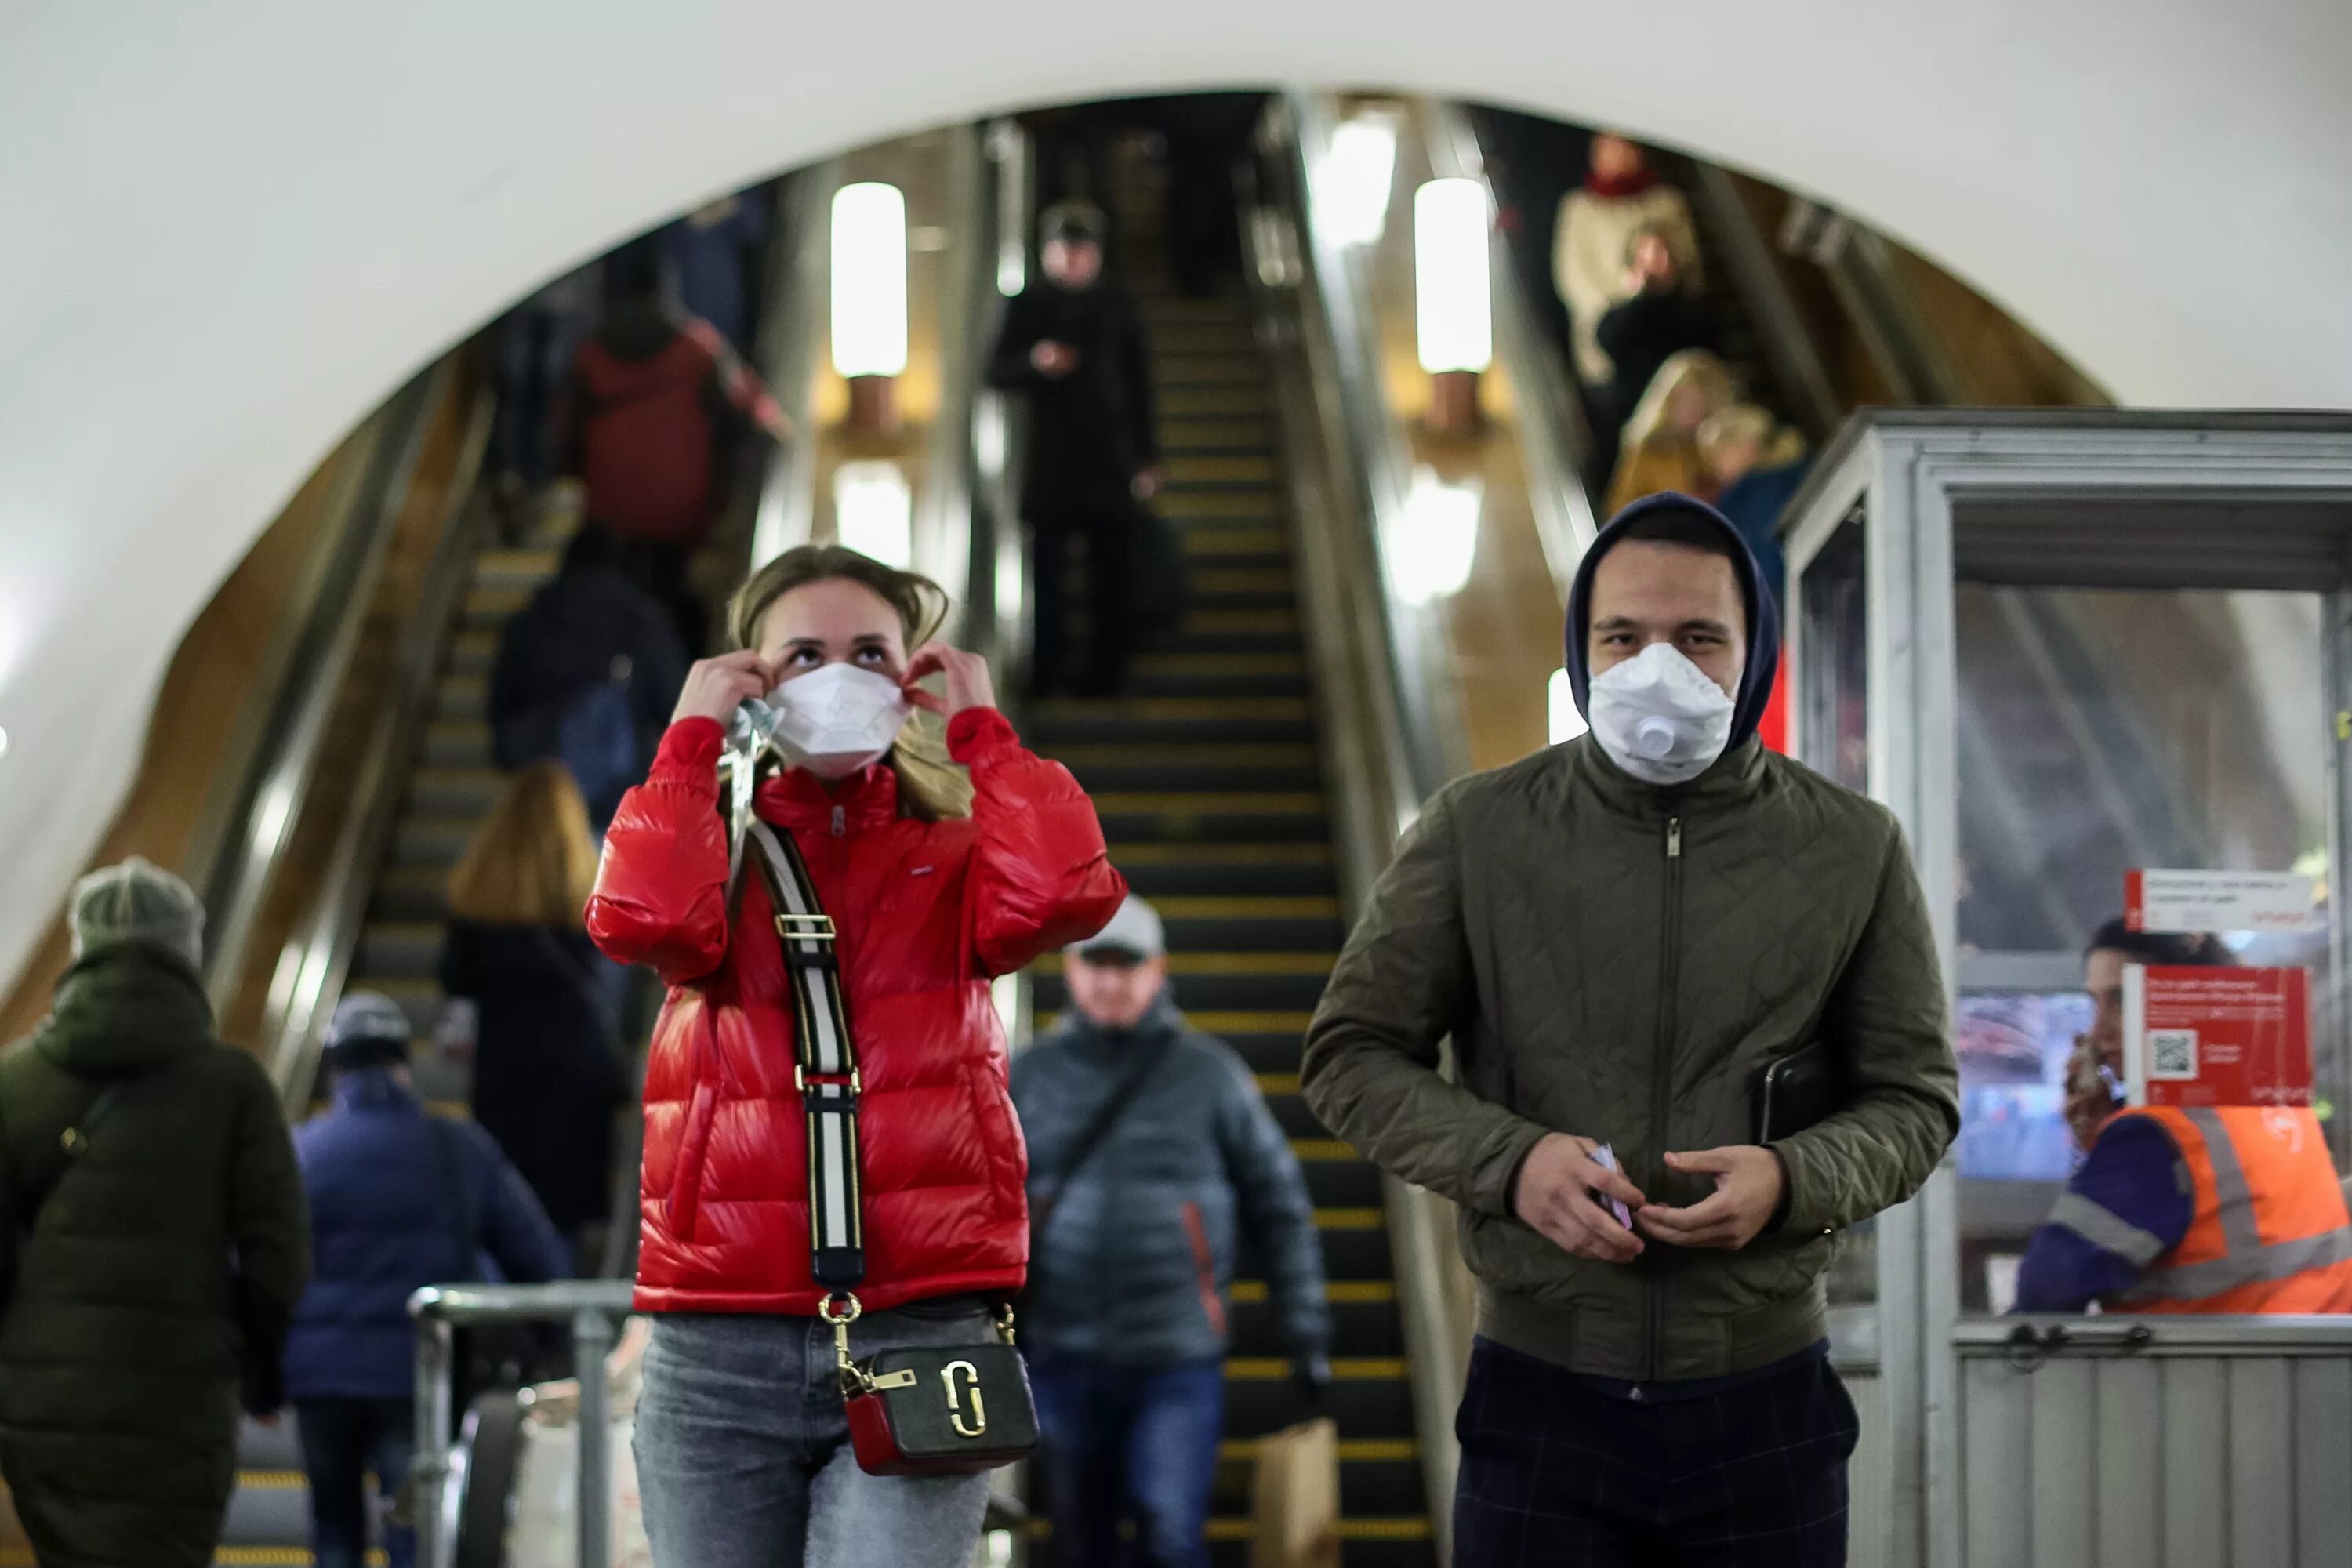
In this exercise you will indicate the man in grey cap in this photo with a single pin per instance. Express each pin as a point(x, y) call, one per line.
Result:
point(155, 1239)
point(400, 1199)
point(1073, 345)
point(1150, 1151)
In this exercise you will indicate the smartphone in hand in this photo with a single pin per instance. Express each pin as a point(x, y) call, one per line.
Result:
point(1606, 1158)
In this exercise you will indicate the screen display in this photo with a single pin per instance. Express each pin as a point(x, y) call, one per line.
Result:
point(2013, 1048)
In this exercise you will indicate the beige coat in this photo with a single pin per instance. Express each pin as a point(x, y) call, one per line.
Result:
point(1588, 263)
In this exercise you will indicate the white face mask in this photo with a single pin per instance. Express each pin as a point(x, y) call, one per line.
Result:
point(1659, 716)
point(836, 718)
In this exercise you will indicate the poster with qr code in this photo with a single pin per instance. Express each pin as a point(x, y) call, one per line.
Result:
point(2196, 1036)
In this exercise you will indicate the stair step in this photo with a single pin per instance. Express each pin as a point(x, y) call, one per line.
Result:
point(1222, 471)
point(464, 793)
point(1206, 434)
point(457, 745)
point(1232, 402)
point(1187, 506)
point(1215, 540)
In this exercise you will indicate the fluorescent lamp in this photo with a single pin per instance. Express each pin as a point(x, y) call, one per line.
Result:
point(1354, 179)
point(1567, 724)
point(1454, 316)
point(869, 279)
point(873, 512)
point(1435, 541)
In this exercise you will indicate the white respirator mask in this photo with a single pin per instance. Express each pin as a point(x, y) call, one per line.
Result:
point(1659, 716)
point(834, 720)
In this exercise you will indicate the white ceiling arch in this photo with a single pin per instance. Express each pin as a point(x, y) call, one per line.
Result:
point(231, 229)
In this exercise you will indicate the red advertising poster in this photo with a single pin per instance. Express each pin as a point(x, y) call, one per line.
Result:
point(2196, 1036)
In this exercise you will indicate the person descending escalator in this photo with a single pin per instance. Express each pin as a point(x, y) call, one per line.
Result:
point(1151, 1155)
point(1658, 451)
point(1622, 196)
point(657, 407)
point(400, 1199)
point(153, 1219)
point(1073, 345)
point(1657, 320)
point(828, 1131)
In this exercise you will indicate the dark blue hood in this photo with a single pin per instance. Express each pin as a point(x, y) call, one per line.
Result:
point(1763, 615)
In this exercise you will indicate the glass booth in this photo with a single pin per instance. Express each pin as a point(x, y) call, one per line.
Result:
point(2062, 646)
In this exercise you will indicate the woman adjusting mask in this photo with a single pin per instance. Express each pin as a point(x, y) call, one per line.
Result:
point(1672, 643)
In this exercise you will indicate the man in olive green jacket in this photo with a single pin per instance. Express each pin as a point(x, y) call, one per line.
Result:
point(149, 1174)
point(1619, 934)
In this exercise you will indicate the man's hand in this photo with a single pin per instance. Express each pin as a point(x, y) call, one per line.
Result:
point(1748, 1185)
point(1145, 485)
point(1052, 360)
point(1554, 1195)
point(1310, 1378)
point(715, 686)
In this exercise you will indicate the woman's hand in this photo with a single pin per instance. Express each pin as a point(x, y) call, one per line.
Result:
point(968, 682)
point(716, 686)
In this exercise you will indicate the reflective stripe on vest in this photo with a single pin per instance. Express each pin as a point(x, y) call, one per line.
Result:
point(2303, 1193)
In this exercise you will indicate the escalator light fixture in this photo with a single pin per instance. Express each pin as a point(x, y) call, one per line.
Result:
point(869, 279)
point(1567, 724)
point(873, 512)
point(1454, 312)
point(1356, 177)
point(1434, 542)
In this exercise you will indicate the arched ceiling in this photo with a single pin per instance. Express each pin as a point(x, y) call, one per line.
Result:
point(230, 228)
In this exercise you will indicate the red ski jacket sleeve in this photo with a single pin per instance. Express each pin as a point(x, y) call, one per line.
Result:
point(661, 892)
point(1041, 876)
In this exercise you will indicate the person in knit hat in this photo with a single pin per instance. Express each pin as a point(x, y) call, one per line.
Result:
point(147, 1170)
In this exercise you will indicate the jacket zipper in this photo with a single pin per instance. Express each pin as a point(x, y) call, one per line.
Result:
point(840, 821)
point(1662, 1073)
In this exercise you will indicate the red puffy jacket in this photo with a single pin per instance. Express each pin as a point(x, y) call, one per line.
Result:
point(928, 913)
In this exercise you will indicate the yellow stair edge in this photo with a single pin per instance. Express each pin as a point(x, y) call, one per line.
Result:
point(1338, 1292)
point(1345, 1369)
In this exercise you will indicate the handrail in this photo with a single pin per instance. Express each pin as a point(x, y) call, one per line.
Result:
point(1388, 737)
point(311, 968)
point(1739, 246)
point(249, 828)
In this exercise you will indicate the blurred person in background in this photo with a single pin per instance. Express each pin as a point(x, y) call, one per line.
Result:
point(940, 863)
point(1656, 320)
point(1755, 467)
point(1207, 134)
point(715, 253)
point(1620, 197)
point(548, 1073)
point(536, 342)
point(1150, 1154)
point(657, 411)
point(2211, 1209)
point(585, 674)
point(1659, 449)
point(156, 1241)
point(1073, 345)
point(400, 1199)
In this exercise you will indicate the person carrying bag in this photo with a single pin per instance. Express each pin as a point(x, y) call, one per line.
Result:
point(833, 1207)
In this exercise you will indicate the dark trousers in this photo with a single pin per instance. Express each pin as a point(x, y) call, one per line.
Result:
point(1109, 532)
point(1123, 1442)
point(661, 570)
point(1555, 1472)
point(342, 1441)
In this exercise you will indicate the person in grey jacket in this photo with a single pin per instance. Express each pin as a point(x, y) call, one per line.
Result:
point(1149, 1150)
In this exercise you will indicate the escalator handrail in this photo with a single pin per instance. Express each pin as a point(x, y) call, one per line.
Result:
point(248, 833)
point(316, 958)
point(1741, 246)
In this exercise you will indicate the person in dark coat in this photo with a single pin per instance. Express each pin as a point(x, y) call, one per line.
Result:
point(714, 252)
point(399, 1200)
point(587, 674)
point(1073, 346)
point(1657, 320)
point(1136, 1227)
point(548, 1078)
point(156, 1242)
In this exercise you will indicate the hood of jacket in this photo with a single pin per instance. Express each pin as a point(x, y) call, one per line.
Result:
point(125, 1010)
point(1763, 617)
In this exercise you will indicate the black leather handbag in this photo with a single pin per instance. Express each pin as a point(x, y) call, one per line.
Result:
point(927, 1411)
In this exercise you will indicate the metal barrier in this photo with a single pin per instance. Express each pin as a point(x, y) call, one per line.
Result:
point(594, 1308)
point(2214, 1441)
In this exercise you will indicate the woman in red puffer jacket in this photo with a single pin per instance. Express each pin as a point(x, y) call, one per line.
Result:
point(936, 883)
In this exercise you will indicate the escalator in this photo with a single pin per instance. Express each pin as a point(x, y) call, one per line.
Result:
point(1209, 787)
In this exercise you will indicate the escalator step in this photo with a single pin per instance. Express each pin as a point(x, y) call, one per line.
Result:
point(1256, 504)
point(457, 745)
point(1217, 540)
point(466, 793)
point(1200, 436)
point(1171, 721)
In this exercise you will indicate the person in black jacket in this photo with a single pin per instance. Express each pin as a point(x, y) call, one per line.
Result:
point(1073, 346)
point(548, 1077)
point(1135, 1225)
point(1658, 318)
point(155, 1242)
point(587, 674)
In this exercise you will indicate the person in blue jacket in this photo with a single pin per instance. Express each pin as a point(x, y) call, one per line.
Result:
point(1136, 1217)
point(399, 1200)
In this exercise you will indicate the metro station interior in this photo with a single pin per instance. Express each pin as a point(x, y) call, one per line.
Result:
point(2054, 357)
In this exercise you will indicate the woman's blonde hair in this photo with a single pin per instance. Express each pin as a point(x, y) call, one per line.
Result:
point(1692, 367)
point(1776, 445)
point(930, 787)
point(532, 861)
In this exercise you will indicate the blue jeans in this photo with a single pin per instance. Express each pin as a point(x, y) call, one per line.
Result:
point(1138, 1443)
point(743, 1456)
point(342, 1439)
